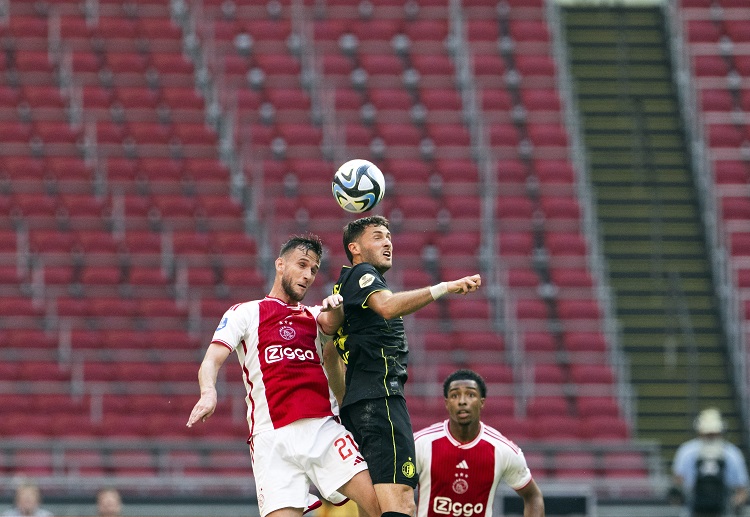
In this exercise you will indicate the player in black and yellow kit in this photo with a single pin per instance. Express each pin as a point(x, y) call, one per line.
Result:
point(373, 345)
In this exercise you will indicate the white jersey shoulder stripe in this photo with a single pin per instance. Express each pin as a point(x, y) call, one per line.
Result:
point(491, 432)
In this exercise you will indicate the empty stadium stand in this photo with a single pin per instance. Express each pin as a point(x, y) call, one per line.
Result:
point(156, 154)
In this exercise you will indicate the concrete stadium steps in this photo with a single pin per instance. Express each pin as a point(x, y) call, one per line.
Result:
point(649, 219)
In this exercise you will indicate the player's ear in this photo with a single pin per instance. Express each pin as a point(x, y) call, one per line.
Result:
point(353, 248)
point(279, 264)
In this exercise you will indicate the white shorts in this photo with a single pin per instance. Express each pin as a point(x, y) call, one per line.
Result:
point(287, 460)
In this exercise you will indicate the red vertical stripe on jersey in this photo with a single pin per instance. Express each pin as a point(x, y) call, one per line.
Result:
point(460, 478)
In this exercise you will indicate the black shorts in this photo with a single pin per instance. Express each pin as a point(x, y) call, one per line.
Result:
point(382, 428)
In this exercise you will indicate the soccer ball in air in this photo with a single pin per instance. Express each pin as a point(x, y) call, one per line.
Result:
point(358, 186)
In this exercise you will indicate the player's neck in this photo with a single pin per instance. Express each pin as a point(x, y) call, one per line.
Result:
point(281, 295)
point(464, 433)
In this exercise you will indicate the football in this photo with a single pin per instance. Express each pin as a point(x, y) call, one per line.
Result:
point(358, 186)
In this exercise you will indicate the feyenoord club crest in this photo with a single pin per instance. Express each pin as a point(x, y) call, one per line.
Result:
point(287, 333)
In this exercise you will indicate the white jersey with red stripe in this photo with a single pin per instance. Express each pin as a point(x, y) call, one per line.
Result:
point(460, 479)
point(279, 349)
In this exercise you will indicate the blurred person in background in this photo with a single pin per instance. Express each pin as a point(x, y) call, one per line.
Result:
point(461, 461)
point(709, 473)
point(108, 503)
point(28, 500)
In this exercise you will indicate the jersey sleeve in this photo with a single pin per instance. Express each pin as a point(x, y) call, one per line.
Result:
point(363, 281)
point(736, 470)
point(231, 330)
point(516, 472)
point(421, 450)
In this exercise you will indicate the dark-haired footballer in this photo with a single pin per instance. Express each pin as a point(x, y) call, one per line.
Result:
point(461, 461)
point(373, 345)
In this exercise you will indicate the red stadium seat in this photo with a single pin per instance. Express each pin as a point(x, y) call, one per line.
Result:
point(503, 135)
point(736, 208)
point(738, 30)
point(579, 465)
point(731, 172)
point(560, 244)
point(28, 337)
point(557, 427)
point(549, 374)
point(740, 244)
point(496, 100)
point(547, 406)
point(522, 278)
point(457, 170)
point(539, 342)
point(529, 30)
point(531, 65)
point(604, 428)
point(560, 208)
point(516, 243)
point(482, 30)
point(716, 100)
point(514, 207)
point(494, 373)
point(554, 171)
point(584, 342)
point(710, 66)
point(578, 309)
point(591, 374)
point(725, 135)
point(571, 277)
point(548, 135)
point(596, 406)
point(531, 310)
point(540, 99)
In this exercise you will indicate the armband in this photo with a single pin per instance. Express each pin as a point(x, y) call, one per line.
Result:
point(439, 290)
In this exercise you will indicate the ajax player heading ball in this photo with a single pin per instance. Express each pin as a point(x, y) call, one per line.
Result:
point(358, 186)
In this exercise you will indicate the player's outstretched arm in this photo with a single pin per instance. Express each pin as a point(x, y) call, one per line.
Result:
point(392, 305)
point(331, 316)
point(533, 501)
point(214, 358)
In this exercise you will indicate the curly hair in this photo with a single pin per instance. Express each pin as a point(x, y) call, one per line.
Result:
point(465, 375)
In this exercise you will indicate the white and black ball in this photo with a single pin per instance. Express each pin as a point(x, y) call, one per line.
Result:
point(358, 186)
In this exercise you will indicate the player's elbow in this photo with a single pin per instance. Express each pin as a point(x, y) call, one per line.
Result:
point(387, 313)
point(387, 309)
point(534, 504)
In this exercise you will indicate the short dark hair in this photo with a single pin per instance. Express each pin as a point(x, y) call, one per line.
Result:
point(309, 242)
point(465, 375)
point(356, 228)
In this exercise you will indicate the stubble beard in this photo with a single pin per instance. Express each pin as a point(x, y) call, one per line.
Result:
point(286, 285)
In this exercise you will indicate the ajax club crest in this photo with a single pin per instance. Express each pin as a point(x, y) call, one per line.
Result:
point(287, 333)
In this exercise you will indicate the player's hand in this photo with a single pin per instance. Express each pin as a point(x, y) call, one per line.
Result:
point(204, 408)
point(465, 285)
point(332, 302)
